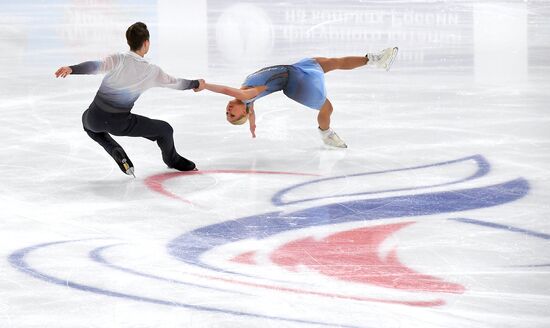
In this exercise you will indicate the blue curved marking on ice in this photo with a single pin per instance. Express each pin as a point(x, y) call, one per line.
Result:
point(511, 229)
point(190, 246)
point(503, 227)
point(483, 167)
point(17, 260)
point(532, 265)
point(96, 256)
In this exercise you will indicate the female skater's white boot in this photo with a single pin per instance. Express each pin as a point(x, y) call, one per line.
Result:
point(384, 59)
point(330, 138)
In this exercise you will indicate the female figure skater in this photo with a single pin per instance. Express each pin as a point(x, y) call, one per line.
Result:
point(303, 82)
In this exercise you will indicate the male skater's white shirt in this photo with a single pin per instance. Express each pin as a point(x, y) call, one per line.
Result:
point(128, 76)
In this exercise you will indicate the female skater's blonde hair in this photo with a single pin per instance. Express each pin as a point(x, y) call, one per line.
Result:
point(240, 121)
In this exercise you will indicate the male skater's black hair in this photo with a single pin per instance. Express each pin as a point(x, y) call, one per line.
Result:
point(136, 35)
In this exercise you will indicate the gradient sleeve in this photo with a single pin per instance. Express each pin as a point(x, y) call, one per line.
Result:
point(97, 66)
point(164, 80)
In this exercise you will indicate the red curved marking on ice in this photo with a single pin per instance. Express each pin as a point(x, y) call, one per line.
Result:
point(430, 303)
point(156, 182)
point(354, 255)
point(245, 258)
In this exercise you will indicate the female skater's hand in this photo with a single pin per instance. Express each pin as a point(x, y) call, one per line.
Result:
point(253, 130)
point(252, 121)
point(202, 84)
point(63, 71)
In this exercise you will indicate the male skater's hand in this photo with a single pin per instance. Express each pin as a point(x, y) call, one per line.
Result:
point(63, 71)
point(201, 85)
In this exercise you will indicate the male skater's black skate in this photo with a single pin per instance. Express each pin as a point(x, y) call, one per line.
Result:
point(123, 162)
point(183, 164)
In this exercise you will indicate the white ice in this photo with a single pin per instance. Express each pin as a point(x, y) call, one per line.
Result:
point(427, 239)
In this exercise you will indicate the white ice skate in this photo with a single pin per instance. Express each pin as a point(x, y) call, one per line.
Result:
point(330, 138)
point(384, 59)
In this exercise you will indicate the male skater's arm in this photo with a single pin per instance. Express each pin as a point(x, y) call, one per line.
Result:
point(164, 80)
point(90, 67)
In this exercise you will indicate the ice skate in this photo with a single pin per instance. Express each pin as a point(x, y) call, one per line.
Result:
point(123, 162)
point(384, 59)
point(183, 164)
point(330, 138)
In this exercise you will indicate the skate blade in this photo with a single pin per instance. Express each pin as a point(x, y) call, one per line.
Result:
point(127, 169)
point(329, 146)
point(130, 171)
point(392, 58)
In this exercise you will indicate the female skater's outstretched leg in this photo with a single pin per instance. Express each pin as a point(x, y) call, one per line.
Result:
point(347, 63)
point(383, 59)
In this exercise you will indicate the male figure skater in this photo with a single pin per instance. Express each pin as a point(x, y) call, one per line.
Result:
point(128, 75)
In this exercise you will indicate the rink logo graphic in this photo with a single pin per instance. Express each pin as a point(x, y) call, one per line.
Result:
point(343, 245)
point(355, 256)
point(352, 255)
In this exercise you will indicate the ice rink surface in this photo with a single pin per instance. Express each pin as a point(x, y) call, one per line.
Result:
point(436, 215)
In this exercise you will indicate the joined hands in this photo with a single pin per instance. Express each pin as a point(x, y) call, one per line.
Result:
point(201, 85)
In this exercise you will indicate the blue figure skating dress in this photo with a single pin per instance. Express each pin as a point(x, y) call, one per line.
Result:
point(303, 82)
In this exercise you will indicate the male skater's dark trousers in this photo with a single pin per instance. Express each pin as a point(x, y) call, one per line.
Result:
point(99, 124)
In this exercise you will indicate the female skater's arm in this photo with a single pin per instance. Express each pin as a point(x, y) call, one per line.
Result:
point(234, 92)
point(252, 120)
